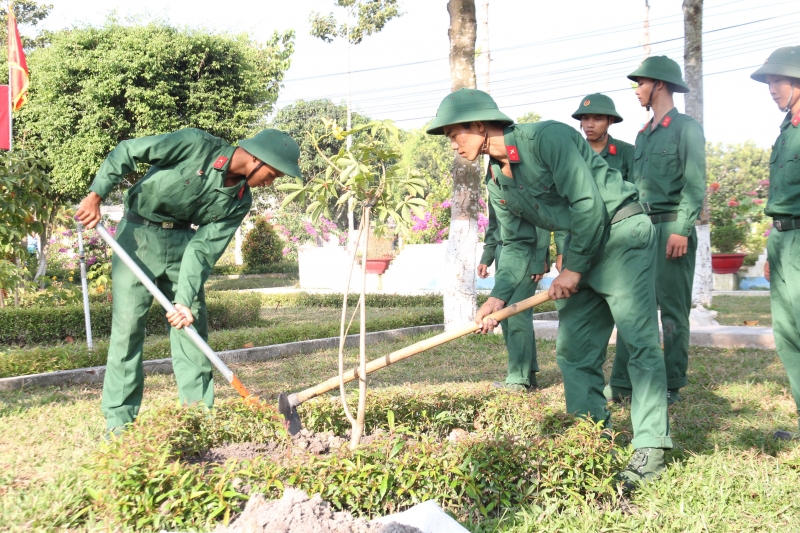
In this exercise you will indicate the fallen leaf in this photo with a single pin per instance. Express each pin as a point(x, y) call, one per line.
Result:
point(248, 345)
point(69, 340)
point(751, 322)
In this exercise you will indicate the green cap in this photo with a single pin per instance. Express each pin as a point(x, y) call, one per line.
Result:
point(782, 62)
point(597, 104)
point(466, 105)
point(276, 149)
point(661, 68)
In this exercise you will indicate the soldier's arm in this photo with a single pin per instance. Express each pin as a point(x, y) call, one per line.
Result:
point(162, 150)
point(490, 241)
point(574, 180)
point(692, 152)
point(202, 253)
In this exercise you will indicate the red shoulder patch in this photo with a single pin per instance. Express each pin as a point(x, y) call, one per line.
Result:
point(513, 154)
point(796, 119)
point(612, 149)
point(666, 121)
point(220, 162)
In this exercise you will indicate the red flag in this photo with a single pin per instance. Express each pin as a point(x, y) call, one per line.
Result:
point(17, 65)
point(5, 118)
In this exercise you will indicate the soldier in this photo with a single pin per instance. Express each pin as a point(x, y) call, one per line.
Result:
point(597, 113)
point(194, 178)
point(669, 169)
point(523, 264)
point(547, 174)
point(781, 72)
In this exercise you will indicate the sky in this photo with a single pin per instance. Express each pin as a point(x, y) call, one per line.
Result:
point(546, 55)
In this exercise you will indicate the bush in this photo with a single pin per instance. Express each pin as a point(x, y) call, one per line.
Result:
point(522, 454)
point(261, 244)
point(34, 325)
point(285, 267)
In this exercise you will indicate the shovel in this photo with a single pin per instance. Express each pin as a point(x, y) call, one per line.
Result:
point(287, 403)
point(190, 331)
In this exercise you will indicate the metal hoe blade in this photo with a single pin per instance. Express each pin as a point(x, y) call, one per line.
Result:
point(290, 414)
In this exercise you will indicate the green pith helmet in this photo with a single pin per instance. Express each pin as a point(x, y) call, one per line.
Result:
point(661, 68)
point(276, 149)
point(597, 104)
point(466, 105)
point(782, 62)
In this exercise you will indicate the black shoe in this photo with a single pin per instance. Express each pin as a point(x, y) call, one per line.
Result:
point(673, 396)
point(786, 435)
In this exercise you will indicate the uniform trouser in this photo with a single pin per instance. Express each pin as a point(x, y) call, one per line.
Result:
point(783, 251)
point(674, 279)
point(518, 334)
point(158, 252)
point(619, 288)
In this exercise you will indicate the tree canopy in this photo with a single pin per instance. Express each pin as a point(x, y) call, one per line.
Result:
point(370, 16)
point(93, 87)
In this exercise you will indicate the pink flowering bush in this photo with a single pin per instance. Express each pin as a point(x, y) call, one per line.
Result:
point(295, 229)
point(434, 226)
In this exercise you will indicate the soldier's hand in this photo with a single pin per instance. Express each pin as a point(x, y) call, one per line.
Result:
point(492, 305)
point(559, 262)
point(766, 269)
point(89, 210)
point(564, 285)
point(483, 271)
point(536, 278)
point(677, 246)
point(182, 318)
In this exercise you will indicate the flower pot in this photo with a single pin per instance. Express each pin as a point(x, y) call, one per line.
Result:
point(726, 263)
point(378, 266)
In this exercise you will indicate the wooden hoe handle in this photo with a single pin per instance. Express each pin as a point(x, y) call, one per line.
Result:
point(418, 347)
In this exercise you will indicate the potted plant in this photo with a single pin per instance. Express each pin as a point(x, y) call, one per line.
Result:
point(730, 227)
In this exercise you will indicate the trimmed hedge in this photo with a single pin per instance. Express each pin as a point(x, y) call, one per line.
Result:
point(284, 267)
point(33, 325)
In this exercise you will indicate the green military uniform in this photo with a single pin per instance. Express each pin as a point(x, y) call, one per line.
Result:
point(560, 183)
point(184, 186)
point(617, 154)
point(669, 169)
point(783, 245)
point(515, 266)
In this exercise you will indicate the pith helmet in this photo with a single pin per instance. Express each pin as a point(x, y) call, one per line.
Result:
point(276, 149)
point(782, 62)
point(597, 104)
point(466, 105)
point(661, 68)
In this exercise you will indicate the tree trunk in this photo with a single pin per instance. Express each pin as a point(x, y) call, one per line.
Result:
point(44, 243)
point(693, 69)
point(461, 263)
point(486, 56)
point(237, 247)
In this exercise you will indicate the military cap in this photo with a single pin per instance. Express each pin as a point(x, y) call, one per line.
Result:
point(597, 104)
point(466, 105)
point(661, 68)
point(782, 62)
point(276, 149)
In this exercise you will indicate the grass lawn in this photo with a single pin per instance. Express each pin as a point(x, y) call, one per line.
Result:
point(734, 310)
point(726, 475)
point(249, 282)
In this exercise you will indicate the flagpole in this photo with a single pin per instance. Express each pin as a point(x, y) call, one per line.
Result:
point(10, 99)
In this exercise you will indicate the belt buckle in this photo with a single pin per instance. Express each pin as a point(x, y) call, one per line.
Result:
point(779, 224)
point(166, 225)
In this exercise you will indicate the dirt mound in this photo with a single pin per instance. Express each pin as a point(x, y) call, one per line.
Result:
point(297, 513)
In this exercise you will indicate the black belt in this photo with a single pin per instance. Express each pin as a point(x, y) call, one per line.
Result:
point(633, 208)
point(136, 219)
point(786, 224)
point(658, 218)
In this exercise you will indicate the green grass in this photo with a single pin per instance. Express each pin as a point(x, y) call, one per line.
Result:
point(250, 282)
point(726, 473)
point(734, 310)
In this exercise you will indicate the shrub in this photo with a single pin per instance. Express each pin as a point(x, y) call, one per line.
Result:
point(53, 324)
point(261, 244)
point(285, 267)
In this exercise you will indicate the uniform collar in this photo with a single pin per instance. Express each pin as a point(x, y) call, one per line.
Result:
point(665, 122)
point(794, 120)
point(605, 151)
point(233, 190)
point(513, 157)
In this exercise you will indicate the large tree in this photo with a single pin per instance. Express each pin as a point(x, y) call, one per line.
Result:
point(461, 262)
point(92, 88)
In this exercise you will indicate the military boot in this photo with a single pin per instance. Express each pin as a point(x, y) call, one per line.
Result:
point(511, 387)
point(786, 435)
point(673, 396)
point(617, 394)
point(645, 466)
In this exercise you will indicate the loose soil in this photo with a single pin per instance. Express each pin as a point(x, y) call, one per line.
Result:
point(295, 512)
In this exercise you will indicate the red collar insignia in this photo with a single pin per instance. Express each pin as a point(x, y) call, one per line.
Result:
point(220, 162)
point(513, 154)
point(666, 121)
point(241, 191)
point(612, 149)
point(796, 119)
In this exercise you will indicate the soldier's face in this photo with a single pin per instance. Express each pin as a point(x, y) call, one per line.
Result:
point(781, 89)
point(264, 176)
point(643, 90)
point(595, 126)
point(466, 139)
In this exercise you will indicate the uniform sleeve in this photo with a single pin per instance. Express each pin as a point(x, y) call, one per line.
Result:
point(560, 238)
point(519, 250)
point(491, 239)
point(692, 152)
point(202, 253)
point(162, 150)
point(574, 180)
point(541, 260)
point(627, 164)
